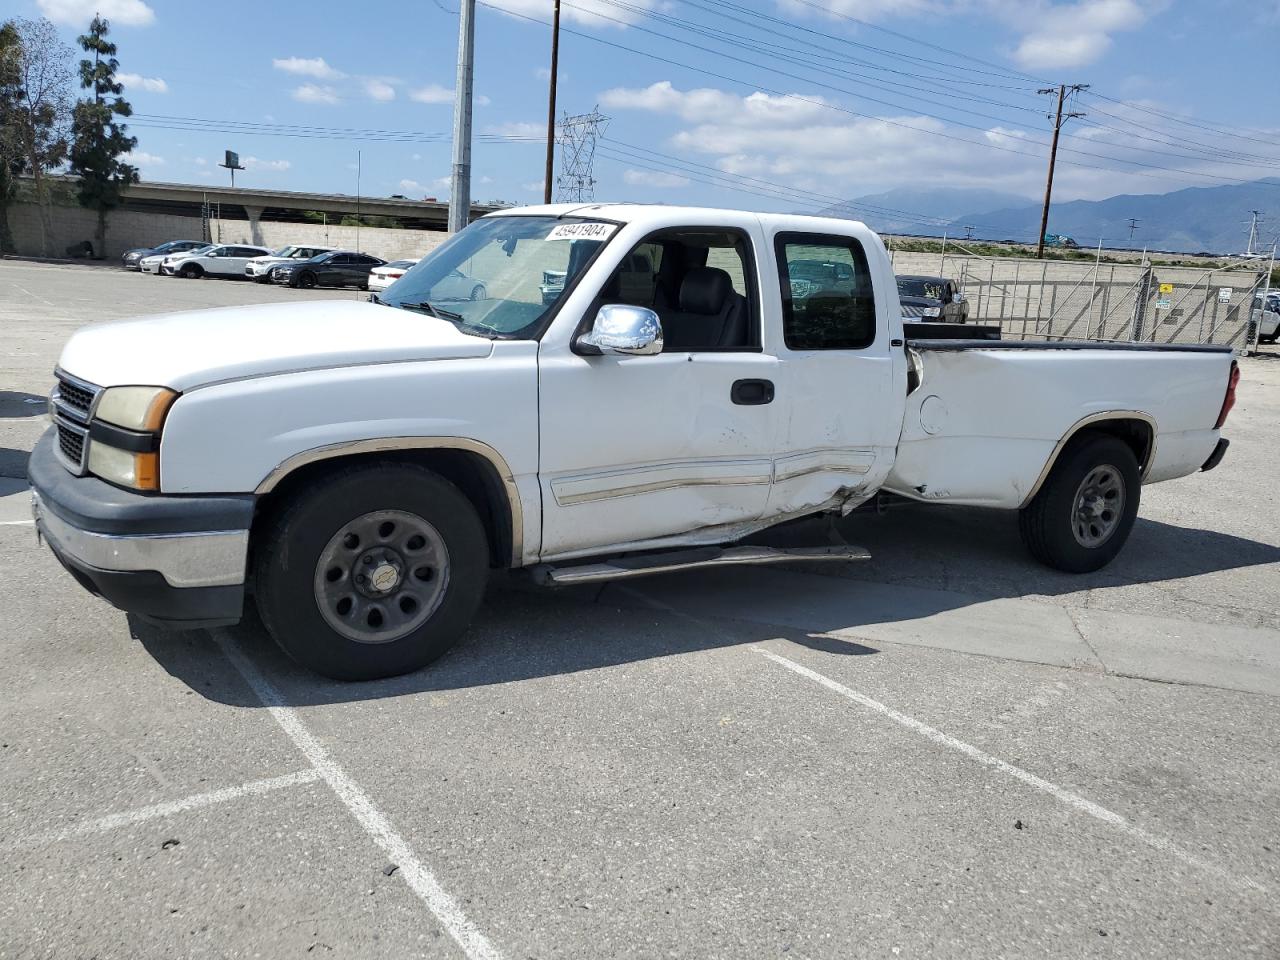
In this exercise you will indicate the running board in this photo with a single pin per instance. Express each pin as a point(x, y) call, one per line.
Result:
point(621, 568)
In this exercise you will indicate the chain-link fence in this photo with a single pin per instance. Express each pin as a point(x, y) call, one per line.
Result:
point(1056, 299)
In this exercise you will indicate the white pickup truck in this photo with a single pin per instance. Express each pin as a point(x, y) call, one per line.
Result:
point(359, 468)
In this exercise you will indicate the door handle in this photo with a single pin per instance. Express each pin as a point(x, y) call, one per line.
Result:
point(751, 392)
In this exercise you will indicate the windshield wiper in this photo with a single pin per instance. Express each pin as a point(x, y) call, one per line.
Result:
point(438, 312)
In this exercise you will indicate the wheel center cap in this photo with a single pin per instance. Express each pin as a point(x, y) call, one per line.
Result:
point(384, 578)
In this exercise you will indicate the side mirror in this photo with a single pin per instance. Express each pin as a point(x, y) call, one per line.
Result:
point(622, 329)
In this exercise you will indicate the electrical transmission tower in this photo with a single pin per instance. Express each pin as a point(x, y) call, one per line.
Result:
point(1253, 232)
point(576, 137)
point(1133, 225)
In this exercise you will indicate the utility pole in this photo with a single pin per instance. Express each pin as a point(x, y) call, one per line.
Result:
point(1133, 225)
point(968, 233)
point(460, 185)
point(1058, 120)
point(359, 164)
point(551, 105)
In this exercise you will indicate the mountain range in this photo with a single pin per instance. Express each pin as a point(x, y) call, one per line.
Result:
point(1192, 220)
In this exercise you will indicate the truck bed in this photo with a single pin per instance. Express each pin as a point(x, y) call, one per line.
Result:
point(989, 416)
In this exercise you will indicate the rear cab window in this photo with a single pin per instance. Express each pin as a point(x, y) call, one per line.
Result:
point(828, 302)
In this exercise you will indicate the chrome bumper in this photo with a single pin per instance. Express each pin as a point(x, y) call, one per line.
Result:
point(206, 559)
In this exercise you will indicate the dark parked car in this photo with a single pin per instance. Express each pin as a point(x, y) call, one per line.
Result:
point(133, 258)
point(341, 268)
point(936, 299)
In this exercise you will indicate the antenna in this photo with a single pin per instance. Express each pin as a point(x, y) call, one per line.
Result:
point(577, 138)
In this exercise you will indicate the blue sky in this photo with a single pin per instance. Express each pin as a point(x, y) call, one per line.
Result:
point(1175, 84)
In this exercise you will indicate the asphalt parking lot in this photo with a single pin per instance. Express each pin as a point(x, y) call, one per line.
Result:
point(946, 751)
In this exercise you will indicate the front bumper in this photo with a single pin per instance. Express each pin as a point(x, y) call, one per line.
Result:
point(176, 561)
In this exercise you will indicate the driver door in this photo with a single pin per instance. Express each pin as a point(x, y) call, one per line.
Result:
point(641, 449)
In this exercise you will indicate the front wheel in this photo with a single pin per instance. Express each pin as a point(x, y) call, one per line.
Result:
point(1082, 516)
point(478, 292)
point(374, 573)
point(306, 281)
point(191, 271)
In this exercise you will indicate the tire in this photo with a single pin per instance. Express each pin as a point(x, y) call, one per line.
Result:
point(1060, 528)
point(191, 271)
point(386, 506)
point(478, 292)
point(306, 280)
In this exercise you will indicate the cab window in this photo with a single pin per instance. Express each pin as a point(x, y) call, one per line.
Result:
point(827, 299)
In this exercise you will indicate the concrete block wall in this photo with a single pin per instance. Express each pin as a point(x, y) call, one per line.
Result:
point(127, 229)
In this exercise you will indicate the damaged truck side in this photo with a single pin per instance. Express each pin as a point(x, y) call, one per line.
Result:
point(357, 469)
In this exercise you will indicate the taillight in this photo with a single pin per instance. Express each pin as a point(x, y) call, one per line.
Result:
point(1229, 400)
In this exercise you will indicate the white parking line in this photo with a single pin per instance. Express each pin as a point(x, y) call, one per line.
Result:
point(419, 877)
point(1073, 800)
point(16, 523)
point(128, 818)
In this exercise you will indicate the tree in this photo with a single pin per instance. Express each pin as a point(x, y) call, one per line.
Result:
point(100, 140)
point(42, 101)
point(11, 162)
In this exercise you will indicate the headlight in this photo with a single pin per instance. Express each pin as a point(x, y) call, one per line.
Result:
point(931, 312)
point(141, 471)
point(135, 408)
point(124, 435)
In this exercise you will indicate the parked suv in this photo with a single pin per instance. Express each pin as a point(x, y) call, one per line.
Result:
point(935, 299)
point(259, 268)
point(224, 260)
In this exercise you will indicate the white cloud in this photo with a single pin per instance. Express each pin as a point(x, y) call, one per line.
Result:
point(134, 81)
point(268, 166)
point(413, 186)
point(315, 93)
point(533, 186)
point(201, 162)
point(308, 67)
point(416, 156)
point(865, 9)
point(380, 90)
point(78, 13)
point(1071, 34)
point(140, 158)
point(524, 129)
point(432, 93)
point(595, 13)
point(652, 178)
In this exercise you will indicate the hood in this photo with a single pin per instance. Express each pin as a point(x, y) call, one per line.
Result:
point(189, 349)
point(919, 301)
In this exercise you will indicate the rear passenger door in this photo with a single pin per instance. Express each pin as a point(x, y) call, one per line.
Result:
point(837, 374)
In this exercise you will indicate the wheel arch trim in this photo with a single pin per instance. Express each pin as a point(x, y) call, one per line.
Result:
point(336, 451)
point(1101, 416)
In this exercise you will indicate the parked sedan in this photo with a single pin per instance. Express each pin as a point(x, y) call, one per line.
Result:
point(153, 262)
point(382, 277)
point(259, 268)
point(132, 259)
point(934, 299)
point(341, 268)
point(456, 285)
point(223, 260)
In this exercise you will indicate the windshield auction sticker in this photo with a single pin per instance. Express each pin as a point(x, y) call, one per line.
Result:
point(582, 230)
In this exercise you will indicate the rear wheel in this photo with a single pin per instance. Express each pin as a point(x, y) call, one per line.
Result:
point(478, 292)
point(374, 573)
point(1082, 516)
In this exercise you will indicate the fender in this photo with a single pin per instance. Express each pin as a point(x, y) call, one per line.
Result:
point(1099, 417)
point(388, 444)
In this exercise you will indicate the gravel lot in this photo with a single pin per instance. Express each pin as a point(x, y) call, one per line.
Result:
point(944, 752)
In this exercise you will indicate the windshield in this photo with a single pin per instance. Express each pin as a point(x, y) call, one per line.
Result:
point(198, 251)
point(290, 251)
point(908, 287)
point(489, 279)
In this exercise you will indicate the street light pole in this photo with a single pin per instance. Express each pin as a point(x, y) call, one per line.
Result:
point(551, 105)
point(460, 185)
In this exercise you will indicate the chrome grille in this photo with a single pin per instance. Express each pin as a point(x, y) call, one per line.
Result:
point(912, 311)
point(71, 405)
